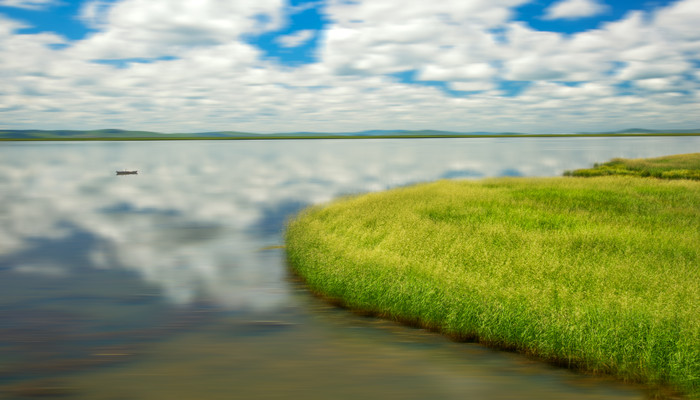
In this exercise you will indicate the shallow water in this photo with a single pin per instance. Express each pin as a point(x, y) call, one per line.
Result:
point(171, 283)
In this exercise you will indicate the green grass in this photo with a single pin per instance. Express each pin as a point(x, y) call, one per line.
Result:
point(599, 274)
point(682, 166)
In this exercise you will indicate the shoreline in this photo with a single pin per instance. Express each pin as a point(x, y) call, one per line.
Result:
point(652, 391)
point(348, 137)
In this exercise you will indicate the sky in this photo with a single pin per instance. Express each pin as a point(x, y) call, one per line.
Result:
point(531, 66)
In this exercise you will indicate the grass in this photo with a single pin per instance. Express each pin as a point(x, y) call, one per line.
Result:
point(682, 166)
point(599, 274)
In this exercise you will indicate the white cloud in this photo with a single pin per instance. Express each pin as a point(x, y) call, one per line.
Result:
point(680, 20)
point(658, 84)
point(573, 9)
point(153, 28)
point(296, 39)
point(95, 13)
point(474, 86)
point(8, 27)
point(653, 69)
point(584, 92)
point(305, 6)
point(432, 72)
point(29, 4)
point(214, 80)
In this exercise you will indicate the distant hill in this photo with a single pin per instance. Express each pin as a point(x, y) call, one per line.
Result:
point(646, 131)
point(127, 135)
point(108, 134)
point(118, 133)
point(400, 132)
point(66, 134)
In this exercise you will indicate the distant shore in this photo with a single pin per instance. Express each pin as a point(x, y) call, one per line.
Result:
point(346, 137)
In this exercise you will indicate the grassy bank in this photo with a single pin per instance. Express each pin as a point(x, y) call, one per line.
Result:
point(681, 166)
point(600, 274)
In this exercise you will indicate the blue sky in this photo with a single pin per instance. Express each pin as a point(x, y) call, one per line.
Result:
point(340, 65)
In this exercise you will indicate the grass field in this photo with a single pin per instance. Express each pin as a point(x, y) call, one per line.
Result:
point(681, 166)
point(599, 274)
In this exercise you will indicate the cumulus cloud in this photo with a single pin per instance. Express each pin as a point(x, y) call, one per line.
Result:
point(153, 28)
point(679, 22)
point(380, 37)
point(29, 4)
point(659, 84)
point(432, 72)
point(189, 67)
point(305, 6)
point(296, 39)
point(656, 69)
point(573, 9)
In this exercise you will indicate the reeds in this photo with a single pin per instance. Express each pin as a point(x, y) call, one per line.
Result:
point(601, 274)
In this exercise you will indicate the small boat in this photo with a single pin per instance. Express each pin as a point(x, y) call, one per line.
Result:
point(127, 172)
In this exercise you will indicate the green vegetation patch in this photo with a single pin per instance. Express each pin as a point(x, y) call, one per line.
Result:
point(600, 274)
point(682, 166)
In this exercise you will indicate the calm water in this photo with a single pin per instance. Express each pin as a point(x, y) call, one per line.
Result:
point(171, 283)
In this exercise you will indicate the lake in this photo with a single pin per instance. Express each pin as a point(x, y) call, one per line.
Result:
point(172, 283)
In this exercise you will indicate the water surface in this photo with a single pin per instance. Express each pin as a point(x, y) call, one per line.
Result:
point(171, 283)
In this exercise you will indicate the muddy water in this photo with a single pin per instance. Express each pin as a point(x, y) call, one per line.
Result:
point(171, 283)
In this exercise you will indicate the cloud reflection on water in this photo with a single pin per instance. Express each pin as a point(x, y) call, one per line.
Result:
point(194, 220)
